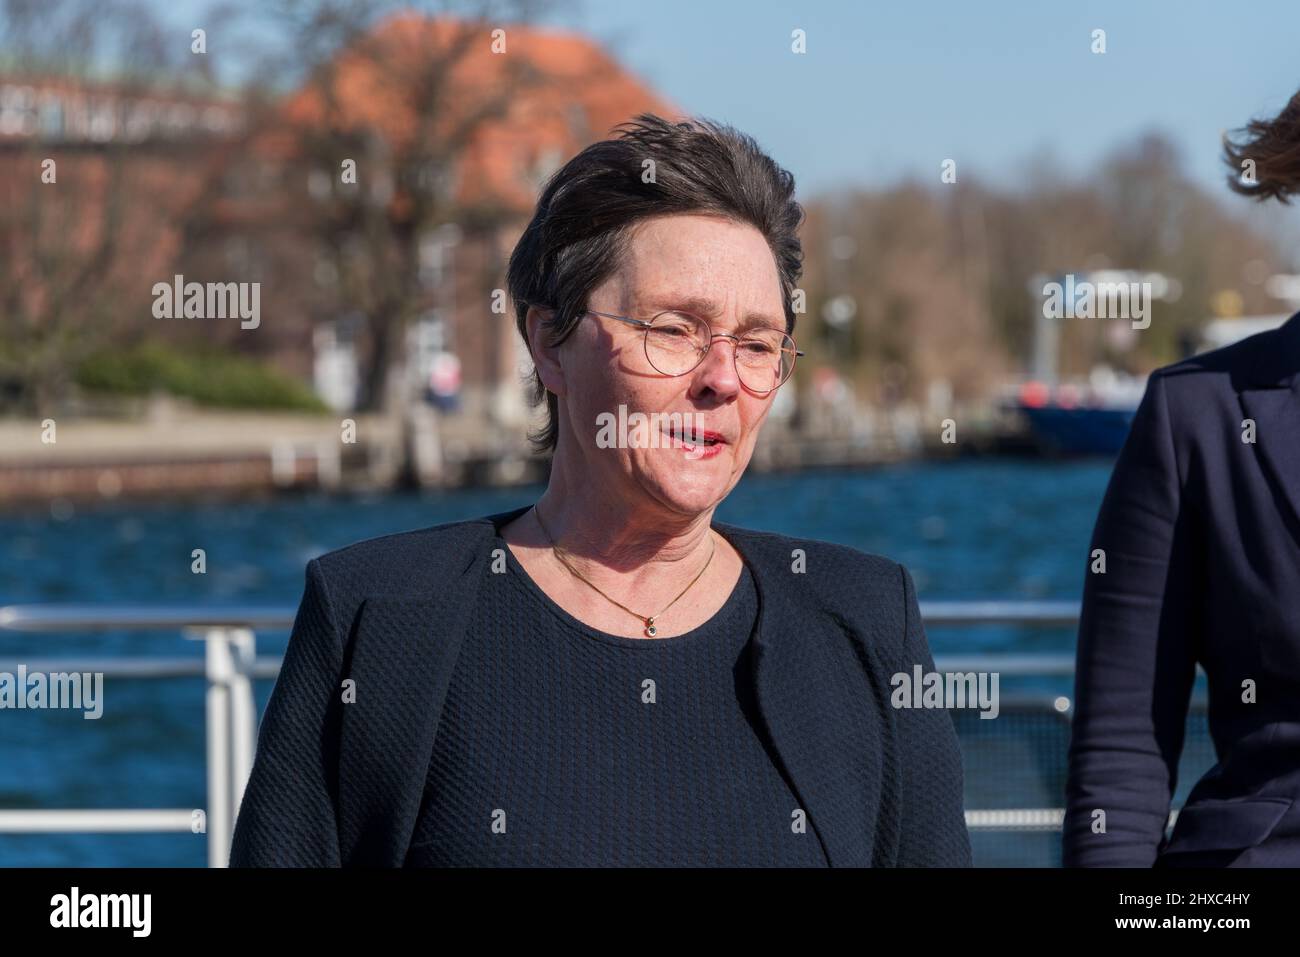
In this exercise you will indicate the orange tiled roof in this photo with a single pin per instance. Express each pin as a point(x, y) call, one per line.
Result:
point(571, 93)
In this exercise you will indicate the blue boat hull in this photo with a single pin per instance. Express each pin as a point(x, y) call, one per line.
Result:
point(1075, 431)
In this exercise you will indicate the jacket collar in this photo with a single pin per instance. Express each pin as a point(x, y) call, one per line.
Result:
point(804, 722)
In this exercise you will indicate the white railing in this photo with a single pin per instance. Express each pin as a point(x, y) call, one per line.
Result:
point(230, 665)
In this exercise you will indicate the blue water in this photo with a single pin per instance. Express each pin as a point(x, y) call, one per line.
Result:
point(986, 529)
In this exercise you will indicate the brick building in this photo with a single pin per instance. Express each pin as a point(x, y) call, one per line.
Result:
point(451, 129)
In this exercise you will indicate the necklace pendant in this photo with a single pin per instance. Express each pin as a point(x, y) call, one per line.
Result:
point(650, 629)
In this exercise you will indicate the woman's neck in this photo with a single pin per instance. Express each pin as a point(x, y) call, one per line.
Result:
point(617, 538)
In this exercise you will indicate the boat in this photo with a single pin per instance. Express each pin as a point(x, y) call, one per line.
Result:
point(1091, 418)
point(1071, 419)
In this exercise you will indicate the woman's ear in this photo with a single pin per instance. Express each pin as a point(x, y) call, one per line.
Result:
point(546, 357)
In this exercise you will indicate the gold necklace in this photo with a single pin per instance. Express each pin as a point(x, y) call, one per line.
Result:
point(650, 629)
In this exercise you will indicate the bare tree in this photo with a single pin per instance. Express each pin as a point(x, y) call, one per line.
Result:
point(90, 207)
point(389, 100)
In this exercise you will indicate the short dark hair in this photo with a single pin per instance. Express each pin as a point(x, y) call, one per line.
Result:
point(1274, 147)
point(580, 228)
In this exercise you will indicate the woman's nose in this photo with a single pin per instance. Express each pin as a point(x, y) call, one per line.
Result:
point(718, 367)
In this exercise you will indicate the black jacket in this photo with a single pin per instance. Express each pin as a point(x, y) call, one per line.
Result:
point(337, 784)
point(1201, 533)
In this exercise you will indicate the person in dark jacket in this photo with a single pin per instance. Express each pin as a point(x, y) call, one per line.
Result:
point(1195, 559)
point(610, 677)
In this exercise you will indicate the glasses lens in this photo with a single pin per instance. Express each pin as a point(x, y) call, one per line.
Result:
point(674, 342)
point(764, 359)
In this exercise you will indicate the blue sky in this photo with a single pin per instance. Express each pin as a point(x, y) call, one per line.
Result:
point(888, 90)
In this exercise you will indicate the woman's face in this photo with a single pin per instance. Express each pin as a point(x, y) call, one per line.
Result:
point(713, 268)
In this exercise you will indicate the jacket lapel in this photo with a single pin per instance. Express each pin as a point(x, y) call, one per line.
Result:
point(402, 661)
point(806, 719)
point(1273, 401)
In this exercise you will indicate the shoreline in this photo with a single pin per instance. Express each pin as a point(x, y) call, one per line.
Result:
point(180, 452)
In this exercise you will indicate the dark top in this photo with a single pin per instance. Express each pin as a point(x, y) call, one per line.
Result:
point(344, 744)
point(555, 749)
point(1200, 526)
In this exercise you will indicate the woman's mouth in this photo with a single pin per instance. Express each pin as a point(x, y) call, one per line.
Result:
point(698, 443)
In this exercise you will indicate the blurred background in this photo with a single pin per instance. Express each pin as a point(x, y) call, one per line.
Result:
point(370, 165)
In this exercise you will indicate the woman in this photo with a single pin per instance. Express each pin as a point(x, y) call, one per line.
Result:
point(613, 677)
point(1200, 529)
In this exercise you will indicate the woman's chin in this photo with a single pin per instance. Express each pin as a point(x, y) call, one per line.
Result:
point(689, 488)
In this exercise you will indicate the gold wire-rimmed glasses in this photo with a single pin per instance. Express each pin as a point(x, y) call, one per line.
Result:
point(676, 342)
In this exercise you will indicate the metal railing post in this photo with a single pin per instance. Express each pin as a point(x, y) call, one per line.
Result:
point(219, 670)
point(243, 717)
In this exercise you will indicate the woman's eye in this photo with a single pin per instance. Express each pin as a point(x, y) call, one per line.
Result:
point(675, 327)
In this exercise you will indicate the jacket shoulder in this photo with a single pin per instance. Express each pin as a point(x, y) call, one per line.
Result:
point(402, 564)
point(1195, 399)
point(1263, 359)
point(829, 570)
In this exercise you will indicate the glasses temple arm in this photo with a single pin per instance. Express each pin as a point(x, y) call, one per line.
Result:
point(628, 319)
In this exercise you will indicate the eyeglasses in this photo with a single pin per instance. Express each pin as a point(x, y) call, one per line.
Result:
point(677, 342)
